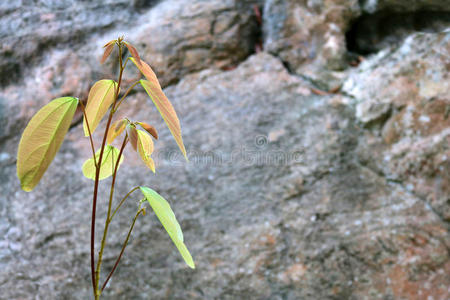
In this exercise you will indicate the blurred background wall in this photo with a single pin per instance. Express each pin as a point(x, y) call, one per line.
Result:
point(318, 134)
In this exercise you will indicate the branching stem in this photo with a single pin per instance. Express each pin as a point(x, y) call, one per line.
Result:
point(122, 201)
point(111, 195)
point(95, 278)
point(126, 61)
point(140, 210)
point(126, 94)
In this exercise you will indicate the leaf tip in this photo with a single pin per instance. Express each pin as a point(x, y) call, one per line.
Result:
point(26, 188)
point(133, 51)
point(150, 129)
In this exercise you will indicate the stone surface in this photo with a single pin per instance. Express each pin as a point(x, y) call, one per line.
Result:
point(371, 6)
point(404, 92)
point(316, 37)
point(306, 32)
point(29, 28)
point(291, 192)
point(182, 36)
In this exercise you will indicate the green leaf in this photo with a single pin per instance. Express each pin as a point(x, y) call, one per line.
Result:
point(101, 96)
point(145, 148)
point(109, 160)
point(42, 139)
point(165, 108)
point(167, 218)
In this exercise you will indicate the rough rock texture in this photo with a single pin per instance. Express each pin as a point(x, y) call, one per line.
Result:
point(405, 93)
point(182, 37)
point(29, 28)
point(314, 37)
point(302, 32)
point(291, 192)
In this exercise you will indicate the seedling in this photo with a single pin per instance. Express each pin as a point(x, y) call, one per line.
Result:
point(45, 133)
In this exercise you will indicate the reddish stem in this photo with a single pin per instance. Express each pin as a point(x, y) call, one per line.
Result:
point(97, 176)
point(123, 249)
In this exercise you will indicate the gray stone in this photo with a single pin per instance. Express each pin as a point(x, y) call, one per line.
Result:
point(308, 32)
point(313, 38)
point(411, 87)
point(290, 192)
point(183, 36)
point(40, 25)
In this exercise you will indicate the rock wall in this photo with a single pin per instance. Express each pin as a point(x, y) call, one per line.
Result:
point(319, 166)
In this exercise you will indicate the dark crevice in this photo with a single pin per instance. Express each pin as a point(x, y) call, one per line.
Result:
point(372, 32)
point(51, 237)
point(251, 33)
point(140, 5)
point(258, 32)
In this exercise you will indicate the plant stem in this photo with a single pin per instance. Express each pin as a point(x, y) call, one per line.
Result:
point(95, 278)
point(122, 201)
point(111, 194)
point(126, 94)
point(126, 61)
point(140, 210)
point(89, 131)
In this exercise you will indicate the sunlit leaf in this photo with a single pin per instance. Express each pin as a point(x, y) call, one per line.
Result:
point(116, 129)
point(145, 148)
point(167, 218)
point(42, 139)
point(150, 129)
point(108, 49)
point(133, 51)
point(100, 98)
point(109, 160)
point(184, 253)
point(132, 135)
point(166, 110)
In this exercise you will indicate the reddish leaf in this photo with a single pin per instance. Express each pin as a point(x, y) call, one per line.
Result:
point(116, 129)
point(165, 108)
point(150, 129)
point(132, 135)
point(133, 52)
point(108, 49)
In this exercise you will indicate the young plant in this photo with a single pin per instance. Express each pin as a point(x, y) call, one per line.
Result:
point(45, 133)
